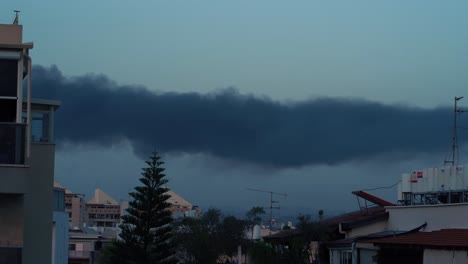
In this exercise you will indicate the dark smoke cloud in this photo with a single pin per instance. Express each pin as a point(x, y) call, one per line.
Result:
point(238, 127)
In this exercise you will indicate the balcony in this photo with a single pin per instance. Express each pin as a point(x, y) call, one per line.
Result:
point(75, 254)
point(12, 143)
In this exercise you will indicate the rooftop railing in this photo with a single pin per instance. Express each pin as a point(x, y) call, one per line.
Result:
point(12, 143)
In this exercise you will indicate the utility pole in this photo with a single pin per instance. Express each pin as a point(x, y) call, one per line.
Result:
point(271, 202)
point(456, 111)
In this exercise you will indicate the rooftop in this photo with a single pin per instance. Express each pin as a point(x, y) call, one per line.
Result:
point(444, 238)
point(58, 185)
point(100, 197)
point(176, 199)
point(354, 216)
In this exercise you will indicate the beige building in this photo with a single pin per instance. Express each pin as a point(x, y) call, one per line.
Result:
point(103, 210)
point(181, 207)
point(27, 154)
point(75, 206)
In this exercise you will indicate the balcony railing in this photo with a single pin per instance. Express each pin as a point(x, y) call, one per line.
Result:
point(12, 143)
point(79, 254)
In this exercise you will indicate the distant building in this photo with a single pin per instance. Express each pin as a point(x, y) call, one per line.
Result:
point(75, 206)
point(85, 245)
point(59, 228)
point(103, 210)
point(181, 207)
point(27, 154)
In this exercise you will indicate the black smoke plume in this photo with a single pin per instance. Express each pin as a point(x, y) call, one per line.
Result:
point(238, 127)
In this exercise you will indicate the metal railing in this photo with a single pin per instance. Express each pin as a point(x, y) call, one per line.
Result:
point(12, 143)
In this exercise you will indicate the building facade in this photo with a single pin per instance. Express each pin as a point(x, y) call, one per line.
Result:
point(27, 154)
point(427, 226)
point(103, 210)
point(59, 228)
point(75, 206)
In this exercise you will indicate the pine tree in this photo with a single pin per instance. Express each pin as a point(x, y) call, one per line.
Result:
point(146, 235)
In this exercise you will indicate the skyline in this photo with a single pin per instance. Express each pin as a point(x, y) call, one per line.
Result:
point(393, 56)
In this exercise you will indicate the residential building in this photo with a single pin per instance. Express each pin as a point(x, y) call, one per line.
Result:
point(85, 245)
point(27, 154)
point(59, 228)
point(427, 226)
point(75, 206)
point(435, 247)
point(103, 210)
point(181, 207)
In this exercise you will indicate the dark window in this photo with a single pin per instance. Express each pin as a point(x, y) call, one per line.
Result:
point(8, 77)
point(98, 245)
point(7, 110)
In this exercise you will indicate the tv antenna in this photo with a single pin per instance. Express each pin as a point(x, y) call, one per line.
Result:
point(16, 21)
point(272, 202)
point(456, 111)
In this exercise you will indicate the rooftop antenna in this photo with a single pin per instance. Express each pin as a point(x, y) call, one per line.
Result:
point(16, 21)
point(456, 111)
point(271, 202)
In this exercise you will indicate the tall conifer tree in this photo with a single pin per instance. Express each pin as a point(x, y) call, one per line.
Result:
point(146, 235)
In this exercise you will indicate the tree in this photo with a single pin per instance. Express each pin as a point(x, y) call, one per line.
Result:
point(264, 253)
point(321, 214)
point(205, 240)
point(254, 217)
point(146, 235)
point(312, 231)
point(233, 234)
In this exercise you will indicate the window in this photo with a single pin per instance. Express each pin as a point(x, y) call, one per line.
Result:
point(71, 246)
point(346, 257)
point(40, 127)
point(7, 110)
point(8, 78)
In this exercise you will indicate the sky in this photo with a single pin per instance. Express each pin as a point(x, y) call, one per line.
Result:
point(311, 98)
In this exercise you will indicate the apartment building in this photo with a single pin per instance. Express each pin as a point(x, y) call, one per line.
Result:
point(27, 154)
point(181, 207)
point(75, 206)
point(103, 210)
point(59, 228)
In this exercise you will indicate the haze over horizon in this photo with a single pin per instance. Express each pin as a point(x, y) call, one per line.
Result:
point(313, 99)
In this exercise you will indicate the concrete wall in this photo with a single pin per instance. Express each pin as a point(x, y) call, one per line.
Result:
point(366, 256)
point(60, 238)
point(11, 34)
point(78, 211)
point(438, 217)
point(367, 229)
point(434, 256)
point(38, 205)
point(35, 183)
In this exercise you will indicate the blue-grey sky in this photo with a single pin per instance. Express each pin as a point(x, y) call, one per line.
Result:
point(411, 52)
point(392, 52)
